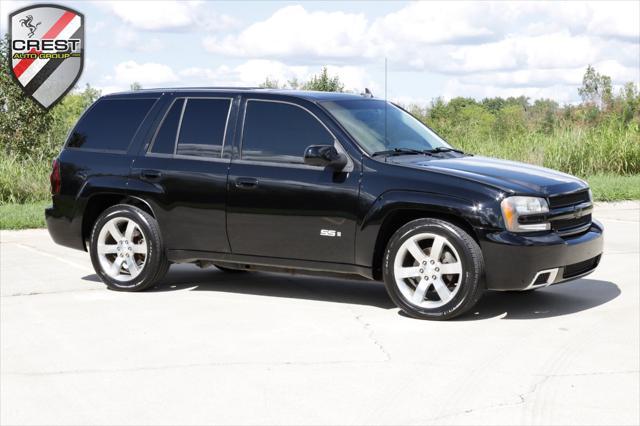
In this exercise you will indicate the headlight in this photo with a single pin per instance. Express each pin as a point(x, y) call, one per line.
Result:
point(515, 208)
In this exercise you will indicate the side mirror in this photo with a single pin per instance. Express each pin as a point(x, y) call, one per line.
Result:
point(324, 156)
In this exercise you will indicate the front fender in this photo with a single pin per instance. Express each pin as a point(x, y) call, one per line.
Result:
point(472, 212)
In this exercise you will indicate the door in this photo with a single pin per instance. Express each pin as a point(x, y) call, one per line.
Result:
point(183, 175)
point(279, 207)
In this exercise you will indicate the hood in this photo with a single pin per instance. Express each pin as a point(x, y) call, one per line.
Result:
point(509, 176)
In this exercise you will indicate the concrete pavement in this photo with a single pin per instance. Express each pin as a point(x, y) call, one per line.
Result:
point(208, 347)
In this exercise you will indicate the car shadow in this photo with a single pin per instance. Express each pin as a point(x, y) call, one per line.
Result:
point(324, 289)
point(563, 299)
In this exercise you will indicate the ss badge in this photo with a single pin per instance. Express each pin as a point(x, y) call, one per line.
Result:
point(330, 233)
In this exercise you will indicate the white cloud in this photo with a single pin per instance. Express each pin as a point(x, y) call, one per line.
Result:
point(147, 74)
point(131, 40)
point(293, 31)
point(536, 48)
point(169, 15)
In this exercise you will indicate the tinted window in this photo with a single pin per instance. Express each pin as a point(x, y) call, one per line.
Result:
point(379, 126)
point(202, 128)
point(165, 140)
point(275, 131)
point(110, 124)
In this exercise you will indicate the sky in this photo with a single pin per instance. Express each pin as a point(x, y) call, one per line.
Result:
point(433, 49)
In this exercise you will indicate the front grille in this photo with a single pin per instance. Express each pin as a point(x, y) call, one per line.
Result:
point(570, 214)
point(565, 200)
point(564, 225)
point(581, 267)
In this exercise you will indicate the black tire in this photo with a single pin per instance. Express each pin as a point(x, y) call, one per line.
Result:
point(155, 264)
point(230, 270)
point(471, 280)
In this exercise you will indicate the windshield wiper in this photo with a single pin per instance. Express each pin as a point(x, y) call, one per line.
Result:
point(442, 149)
point(398, 151)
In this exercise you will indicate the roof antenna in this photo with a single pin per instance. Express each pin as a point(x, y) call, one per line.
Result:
point(367, 93)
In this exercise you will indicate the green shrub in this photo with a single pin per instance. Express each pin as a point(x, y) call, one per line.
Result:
point(23, 181)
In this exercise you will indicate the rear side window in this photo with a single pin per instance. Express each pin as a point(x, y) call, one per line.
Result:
point(165, 140)
point(280, 132)
point(203, 125)
point(110, 124)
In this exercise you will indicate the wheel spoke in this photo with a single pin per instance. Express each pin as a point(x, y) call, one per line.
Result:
point(128, 233)
point(410, 272)
point(436, 248)
point(421, 290)
point(416, 251)
point(115, 266)
point(132, 266)
point(140, 248)
point(451, 268)
point(442, 290)
point(114, 231)
point(107, 248)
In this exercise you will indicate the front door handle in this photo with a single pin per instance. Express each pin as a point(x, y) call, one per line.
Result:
point(246, 182)
point(150, 174)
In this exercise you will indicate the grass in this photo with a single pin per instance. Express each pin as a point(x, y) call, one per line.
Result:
point(23, 180)
point(606, 149)
point(23, 216)
point(614, 187)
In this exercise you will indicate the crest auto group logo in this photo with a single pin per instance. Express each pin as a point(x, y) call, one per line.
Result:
point(47, 51)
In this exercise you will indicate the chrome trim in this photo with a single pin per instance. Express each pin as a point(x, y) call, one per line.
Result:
point(553, 273)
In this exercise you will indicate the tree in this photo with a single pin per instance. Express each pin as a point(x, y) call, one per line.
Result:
point(135, 86)
point(269, 84)
point(630, 102)
point(324, 83)
point(23, 122)
point(596, 89)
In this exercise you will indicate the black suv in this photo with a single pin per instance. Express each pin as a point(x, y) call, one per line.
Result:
point(331, 183)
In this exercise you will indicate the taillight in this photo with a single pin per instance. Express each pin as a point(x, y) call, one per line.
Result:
point(54, 178)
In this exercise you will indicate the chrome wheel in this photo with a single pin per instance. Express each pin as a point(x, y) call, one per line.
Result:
point(122, 249)
point(427, 270)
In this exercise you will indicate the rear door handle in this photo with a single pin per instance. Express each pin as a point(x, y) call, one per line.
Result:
point(246, 182)
point(150, 174)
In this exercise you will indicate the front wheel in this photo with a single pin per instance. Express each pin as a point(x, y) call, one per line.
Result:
point(433, 269)
point(126, 249)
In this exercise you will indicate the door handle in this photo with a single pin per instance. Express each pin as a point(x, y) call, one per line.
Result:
point(246, 182)
point(150, 174)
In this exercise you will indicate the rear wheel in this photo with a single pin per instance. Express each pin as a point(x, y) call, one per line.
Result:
point(433, 269)
point(126, 249)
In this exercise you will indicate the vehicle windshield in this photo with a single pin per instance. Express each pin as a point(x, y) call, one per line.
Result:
point(364, 119)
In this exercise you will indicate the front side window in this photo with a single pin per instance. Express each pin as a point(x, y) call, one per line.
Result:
point(110, 124)
point(380, 126)
point(280, 132)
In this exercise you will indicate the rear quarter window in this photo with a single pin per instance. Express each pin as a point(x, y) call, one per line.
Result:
point(110, 124)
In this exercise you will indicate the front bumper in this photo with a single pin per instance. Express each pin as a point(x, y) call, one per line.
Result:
point(515, 262)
